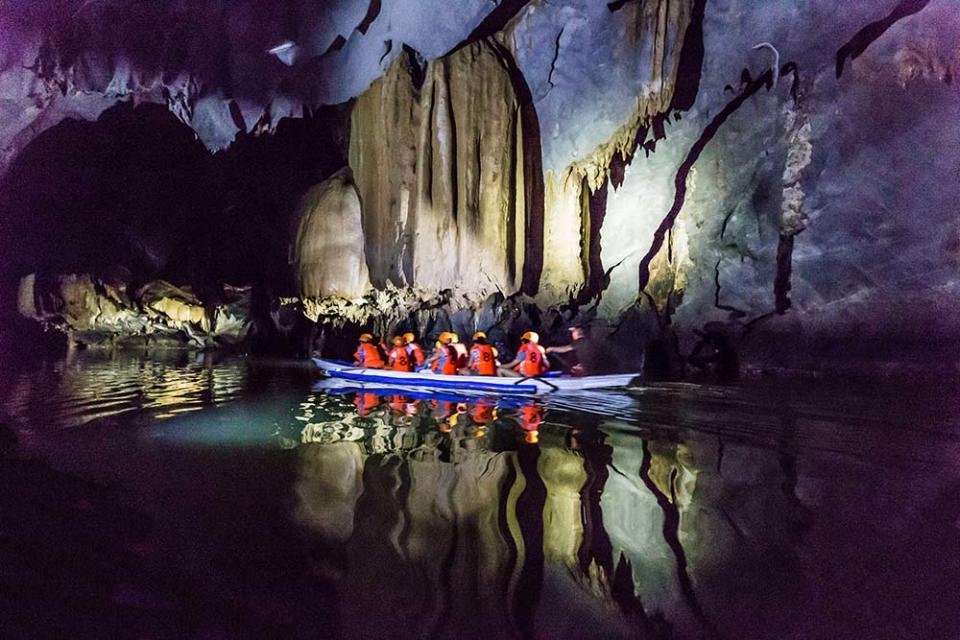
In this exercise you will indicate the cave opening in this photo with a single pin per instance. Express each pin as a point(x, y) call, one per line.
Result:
point(134, 197)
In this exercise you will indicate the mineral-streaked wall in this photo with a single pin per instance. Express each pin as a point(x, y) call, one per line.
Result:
point(435, 153)
point(796, 200)
point(438, 147)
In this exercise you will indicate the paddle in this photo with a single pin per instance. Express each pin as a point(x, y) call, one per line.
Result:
point(525, 378)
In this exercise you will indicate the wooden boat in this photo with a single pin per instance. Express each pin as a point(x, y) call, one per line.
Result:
point(482, 384)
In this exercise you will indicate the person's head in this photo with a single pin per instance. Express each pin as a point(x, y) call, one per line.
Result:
point(445, 338)
point(530, 336)
point(454, 338)
point(409, 337)
point(480, 337)
point(366, 337)
point(398, 341)
point(577, 332)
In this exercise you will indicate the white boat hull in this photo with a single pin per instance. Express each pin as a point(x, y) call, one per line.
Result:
point(476, 384)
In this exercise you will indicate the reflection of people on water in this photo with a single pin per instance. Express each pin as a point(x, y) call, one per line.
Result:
point(484, 411)
point(366, 402)
point(531, 417)
point(398, 404)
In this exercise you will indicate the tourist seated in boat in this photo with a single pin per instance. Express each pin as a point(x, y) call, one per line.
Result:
point(368, 353)
point(399, 358)
point(483, 357)
point(414, 349)
point(463, 356)
point(531, 359)
point(443, 360)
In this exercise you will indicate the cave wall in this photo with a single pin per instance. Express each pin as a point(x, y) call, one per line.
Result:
point(436, 155)
point(632, 160)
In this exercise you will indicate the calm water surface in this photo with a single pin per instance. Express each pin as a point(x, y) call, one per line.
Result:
point(184, 497)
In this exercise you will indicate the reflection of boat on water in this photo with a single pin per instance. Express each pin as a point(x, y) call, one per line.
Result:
point(488, 384)
point(340, 386)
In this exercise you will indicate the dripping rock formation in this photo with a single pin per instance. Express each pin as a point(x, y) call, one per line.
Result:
point(718, 183)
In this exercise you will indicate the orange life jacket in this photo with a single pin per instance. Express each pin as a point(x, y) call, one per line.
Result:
point(447, 364)
point(483, 360)
point(366, 402)
point(414, 349)
point(533, 363)
point(531, 417)
point(398, 404)
point(484, 413)
point(369, 356)
point(400, 360)
point(462, 354)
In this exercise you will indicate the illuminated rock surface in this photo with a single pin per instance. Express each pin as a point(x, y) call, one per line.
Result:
point(93, 312)
point(634, 159)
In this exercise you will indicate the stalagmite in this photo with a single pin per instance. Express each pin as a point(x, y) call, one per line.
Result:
point(329, 247)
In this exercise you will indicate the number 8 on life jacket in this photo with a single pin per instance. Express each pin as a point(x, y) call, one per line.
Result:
point(532, 357)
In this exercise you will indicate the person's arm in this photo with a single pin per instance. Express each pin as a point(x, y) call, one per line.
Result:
point(429, 361)
point(546, 360)
point(563, 348)
point(358, 357)
point(512, 363)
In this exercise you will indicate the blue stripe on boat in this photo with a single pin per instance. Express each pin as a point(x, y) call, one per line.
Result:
point(431, 382)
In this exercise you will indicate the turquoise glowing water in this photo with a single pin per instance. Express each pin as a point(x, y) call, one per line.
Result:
point(181, 497)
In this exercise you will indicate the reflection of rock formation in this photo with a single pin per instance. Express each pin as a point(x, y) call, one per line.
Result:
point(100, 384)
point(330, 484)
point(691, 516)
point(443, 515)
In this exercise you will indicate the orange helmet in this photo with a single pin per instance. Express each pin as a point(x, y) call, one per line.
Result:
point(409, 337)
point(445, 338)
point(397, 341)
point(531, 336)
point(479, 334)
point(532, 437)
point(365, 337)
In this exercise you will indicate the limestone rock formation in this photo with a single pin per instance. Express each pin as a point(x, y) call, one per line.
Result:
point(778, 173)
point(329, 250)
point(98, 313)
point(436, 154)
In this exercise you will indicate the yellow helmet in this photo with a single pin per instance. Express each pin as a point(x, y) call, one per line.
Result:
point(397, 341)
point(446, 337)
point(454, 337)
point(365, 337)
point(479, 334)
point(531, 336)
point(409, 337)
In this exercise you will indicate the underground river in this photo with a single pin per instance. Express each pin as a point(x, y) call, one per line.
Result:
point(182, 496)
